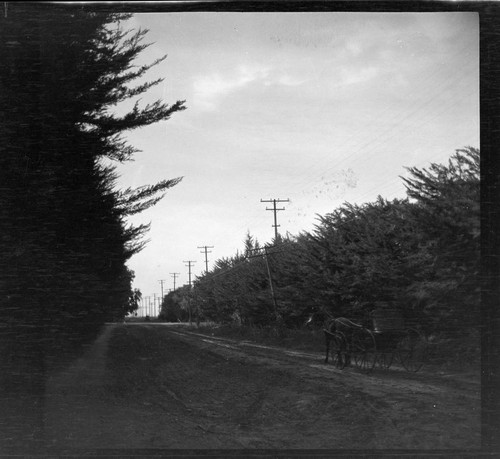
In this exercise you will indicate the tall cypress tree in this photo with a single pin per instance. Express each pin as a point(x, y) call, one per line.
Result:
point(66, 240)
point(447, 213)
point(63, 231)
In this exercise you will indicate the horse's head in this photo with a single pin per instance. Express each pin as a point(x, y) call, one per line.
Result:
point(317, 319)
point(309, 322)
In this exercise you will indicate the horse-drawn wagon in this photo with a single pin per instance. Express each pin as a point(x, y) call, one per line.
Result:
point(389, 339)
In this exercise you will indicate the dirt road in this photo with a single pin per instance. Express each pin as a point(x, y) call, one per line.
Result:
point(158, 386)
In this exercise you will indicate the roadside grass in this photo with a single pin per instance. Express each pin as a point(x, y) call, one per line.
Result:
point(305, 340)
point(449, 353)
point(133, 360)
point(462, 352)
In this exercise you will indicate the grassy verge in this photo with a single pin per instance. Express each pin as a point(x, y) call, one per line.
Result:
point(461, 354)
point(306, 340)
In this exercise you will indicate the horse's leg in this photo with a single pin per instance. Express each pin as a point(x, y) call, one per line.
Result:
point(347, 354)
point(327, 342)
point(342, 353)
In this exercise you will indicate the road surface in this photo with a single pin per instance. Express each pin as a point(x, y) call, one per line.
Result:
point(159, 386)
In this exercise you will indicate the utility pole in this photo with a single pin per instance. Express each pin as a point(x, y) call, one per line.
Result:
point(265, 254)
point(161, 283)
point(271, 284)
point(174, 275)
point(154, 304)
point(189, 263)
point(206, 252)
point(275, 209)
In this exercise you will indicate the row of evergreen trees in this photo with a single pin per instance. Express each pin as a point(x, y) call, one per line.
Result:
point(419, 255)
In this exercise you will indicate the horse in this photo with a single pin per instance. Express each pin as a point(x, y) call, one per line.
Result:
point(341, 331)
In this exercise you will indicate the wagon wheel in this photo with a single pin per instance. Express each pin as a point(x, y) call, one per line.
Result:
point(364, 349)
point(412, 350)
point(386, 348)
point(338, 350)
point(385, 359)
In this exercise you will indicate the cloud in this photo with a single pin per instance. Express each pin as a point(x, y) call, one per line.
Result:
point(209, 89)
point(349, 76)
point(289, 80)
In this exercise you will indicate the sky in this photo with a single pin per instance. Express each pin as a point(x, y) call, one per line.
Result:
point(317, 108)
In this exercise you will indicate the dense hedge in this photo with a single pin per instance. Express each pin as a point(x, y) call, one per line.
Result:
point(419, 255)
